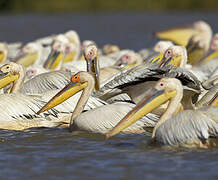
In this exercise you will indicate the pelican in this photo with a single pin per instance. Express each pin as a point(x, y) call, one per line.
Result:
point(56, 57)
point(182, 34)
point(189, 128)
point(208, 64)
point(199, 44)
point(98, 120)
point(159, 47)
point(32, 53)
point(129, 59)
point(134, 81)
point(110, 48)
point(23, 116)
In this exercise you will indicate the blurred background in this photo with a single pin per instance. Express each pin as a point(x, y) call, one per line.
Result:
point(128, 23)
point(103, 5)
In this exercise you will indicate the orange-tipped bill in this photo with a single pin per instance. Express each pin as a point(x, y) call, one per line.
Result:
point(153, 100)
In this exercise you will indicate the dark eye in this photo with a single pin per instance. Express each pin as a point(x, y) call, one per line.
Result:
point(7, 67)
point(161, 84)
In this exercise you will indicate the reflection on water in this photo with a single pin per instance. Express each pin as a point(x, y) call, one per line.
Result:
point(54, 153)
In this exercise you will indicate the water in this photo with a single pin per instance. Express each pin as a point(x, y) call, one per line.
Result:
point(58, 154)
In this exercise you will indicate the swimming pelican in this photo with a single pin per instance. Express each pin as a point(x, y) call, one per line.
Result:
point(31, 53)
point(98, 120)
point(55, 59)
point(129, 59)
point(159, 47)
point(39, 84)
point(134, 81)
point(110, 48)
point(189, 128)
point(180, 35)
point(199, 44)
point(208, 64)
point(23, 116)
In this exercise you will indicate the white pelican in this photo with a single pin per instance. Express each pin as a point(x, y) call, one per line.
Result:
point(98, 120)
point(56, 57)
point(181, 35)
point(110, 48)
point(129, 59)
point(32, 53)
point(196, 38)
point(189, 128)
point(159, 47)
point(134, 81)
point(199, 44)
point(23, 116)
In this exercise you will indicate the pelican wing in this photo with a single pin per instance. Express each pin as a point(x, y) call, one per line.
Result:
point(46, 81)
point(18, 111)
point(129, 77)
point(104, 118)
point(189, 127)
point(147, 72)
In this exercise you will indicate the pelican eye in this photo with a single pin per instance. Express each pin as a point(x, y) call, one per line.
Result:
point(75, 78)
point(161, 84)
point(168, 53)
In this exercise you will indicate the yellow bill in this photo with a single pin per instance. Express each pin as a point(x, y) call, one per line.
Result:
point(93, 68)
point(179, 35)
point(214, 101)
point(7, 78)
point(163, 61)
point(69, 57)
point(2, 56)
point(68, 91)
point(26, 59)
point(54, 60)
point(148, 104)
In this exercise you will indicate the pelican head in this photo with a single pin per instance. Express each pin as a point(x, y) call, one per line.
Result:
point(174, 55)
point(129, 59)
point(199, 43)
point(86, 43)
point(162, 46)
point(91, 57)
point(29, 54)
point(73, 37)
point(166, 89)
point(10, 73)
point(78, 82)
point(56, 56)
point(110, 48)
point(202, 26)
point(3, 52)
point(213, 53)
